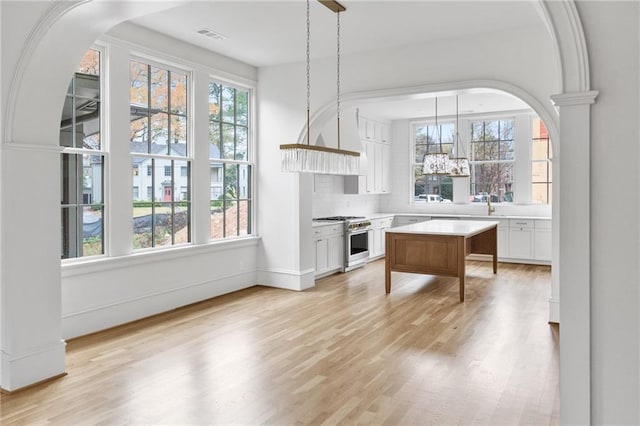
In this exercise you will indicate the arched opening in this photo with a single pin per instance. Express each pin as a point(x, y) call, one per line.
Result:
point(68, 26)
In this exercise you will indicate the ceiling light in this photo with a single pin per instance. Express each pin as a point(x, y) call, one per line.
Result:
point(319, 159)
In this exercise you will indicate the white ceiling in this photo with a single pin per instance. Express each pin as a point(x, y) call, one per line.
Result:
point(264, 32)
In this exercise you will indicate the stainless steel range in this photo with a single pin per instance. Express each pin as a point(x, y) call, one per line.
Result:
point(356, 240)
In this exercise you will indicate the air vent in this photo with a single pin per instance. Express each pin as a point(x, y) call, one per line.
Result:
point(211, 34)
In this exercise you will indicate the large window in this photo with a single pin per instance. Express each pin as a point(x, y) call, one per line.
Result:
point(159, 142)
point(230, 164)
point(82, 162)
point(429, 139)
point(492, 160)
point(541, 156)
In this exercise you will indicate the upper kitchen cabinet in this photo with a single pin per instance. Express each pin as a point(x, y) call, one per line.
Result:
point(374, 179)
point(373, 130)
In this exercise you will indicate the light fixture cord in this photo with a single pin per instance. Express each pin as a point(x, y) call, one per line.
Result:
point(438, 129)
point(308, 73)
point(338, 77)
point(457, 133)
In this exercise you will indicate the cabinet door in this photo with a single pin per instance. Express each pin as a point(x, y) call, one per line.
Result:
point(336, 252)
point(384, 168)
point(503, 241)
point(322, 256)
point(521, 243)
point(378, 175)
point(371, 160)
point(385, 133)
point(371, 130)
point(542, 246)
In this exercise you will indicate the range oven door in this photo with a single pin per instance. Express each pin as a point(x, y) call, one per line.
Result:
point(356, 249)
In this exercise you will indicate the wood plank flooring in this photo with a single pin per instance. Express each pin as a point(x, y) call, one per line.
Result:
point(341, 353)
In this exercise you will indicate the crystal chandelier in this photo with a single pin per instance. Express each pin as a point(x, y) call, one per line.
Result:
point(459, 163)
point(307, 158)
point(437, 163)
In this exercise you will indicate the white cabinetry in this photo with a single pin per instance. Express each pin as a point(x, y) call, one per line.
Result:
point(329, 243)
point(376, 236)
point(542, 240)
point(408, 220)
point(521, 238)
point(375, 179)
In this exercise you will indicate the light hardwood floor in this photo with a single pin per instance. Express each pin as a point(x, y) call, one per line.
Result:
point(343, 352)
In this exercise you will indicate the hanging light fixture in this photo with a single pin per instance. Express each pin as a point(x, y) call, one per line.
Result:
point(459, 163)
point(436, 163)
point(307, 158)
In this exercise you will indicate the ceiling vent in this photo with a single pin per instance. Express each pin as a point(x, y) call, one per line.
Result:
point(211, 34)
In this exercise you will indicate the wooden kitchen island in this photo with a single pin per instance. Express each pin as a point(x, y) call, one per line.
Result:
point(439, 247)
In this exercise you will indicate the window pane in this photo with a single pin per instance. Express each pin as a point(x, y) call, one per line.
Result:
point(244, 181)
point(139, 84)
point(242, 107)
point(241, 143)
point(506, 129)
point(159, 133)
point(539, 172)
point(92, 179)
point(178, 93)
point(244, 219)
point(90, 63)
point(162, 225)
point(421, 134)
point(66, 122)
point(92, 232)
point(181, 230)
point(228, 141)
point(231, 218)
point(419, 181)
point(181, 181)
point(228, 105)
point(139, 132)
point(421, 150)
point(214, 136)
point(230, 181)
point(540, 149)
point(214, 101)
point(447, 132)
point(506, 150)
point(179, 135)
point(159, 90)
point(70, 176)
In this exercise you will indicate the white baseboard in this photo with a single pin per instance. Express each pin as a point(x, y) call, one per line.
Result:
point(288, 280)
point(32, 366)
point(102, 317)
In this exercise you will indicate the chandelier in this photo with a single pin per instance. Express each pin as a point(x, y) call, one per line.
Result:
point(459, 166)
point(307, 158)
point(436, 163)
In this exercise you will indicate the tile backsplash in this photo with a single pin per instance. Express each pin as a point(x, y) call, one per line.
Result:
point(329, 199)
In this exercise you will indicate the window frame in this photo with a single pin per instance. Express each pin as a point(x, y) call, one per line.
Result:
point(104, 152)
point(249, 162)
point(188, 158)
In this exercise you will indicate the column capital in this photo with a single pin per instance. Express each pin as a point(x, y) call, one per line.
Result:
point(574, 98)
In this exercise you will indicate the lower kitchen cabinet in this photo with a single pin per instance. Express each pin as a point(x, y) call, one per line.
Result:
point(376, 236)
point(329, 246)
point(542, 240)
point(521, 238)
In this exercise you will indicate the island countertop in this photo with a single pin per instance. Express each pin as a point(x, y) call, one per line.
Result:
point(446, 227)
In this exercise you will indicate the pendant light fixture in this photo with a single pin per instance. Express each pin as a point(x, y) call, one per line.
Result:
point(459, 163)
point(436, 163)
point(307, 158)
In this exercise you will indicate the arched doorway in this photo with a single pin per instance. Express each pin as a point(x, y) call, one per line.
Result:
point(64, 24)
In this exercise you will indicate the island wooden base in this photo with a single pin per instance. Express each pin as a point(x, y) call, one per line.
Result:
point(436, 254)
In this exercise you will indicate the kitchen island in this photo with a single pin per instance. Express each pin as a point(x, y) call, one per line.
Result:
point(439, 247)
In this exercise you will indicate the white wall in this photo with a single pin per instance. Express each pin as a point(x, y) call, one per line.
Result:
point(612, 33)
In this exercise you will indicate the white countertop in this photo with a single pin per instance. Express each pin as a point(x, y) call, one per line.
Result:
point(463, 228)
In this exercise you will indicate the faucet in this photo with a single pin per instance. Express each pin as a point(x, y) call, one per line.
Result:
point(489, 208)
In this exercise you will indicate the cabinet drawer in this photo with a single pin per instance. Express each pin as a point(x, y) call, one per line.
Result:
point(322, 231)
point(543, 224)
point(521, 223)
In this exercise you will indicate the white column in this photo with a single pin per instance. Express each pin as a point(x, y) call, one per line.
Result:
point(32, 345)
point(574, 250)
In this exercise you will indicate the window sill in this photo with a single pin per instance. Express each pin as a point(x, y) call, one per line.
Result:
point(77, 267)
